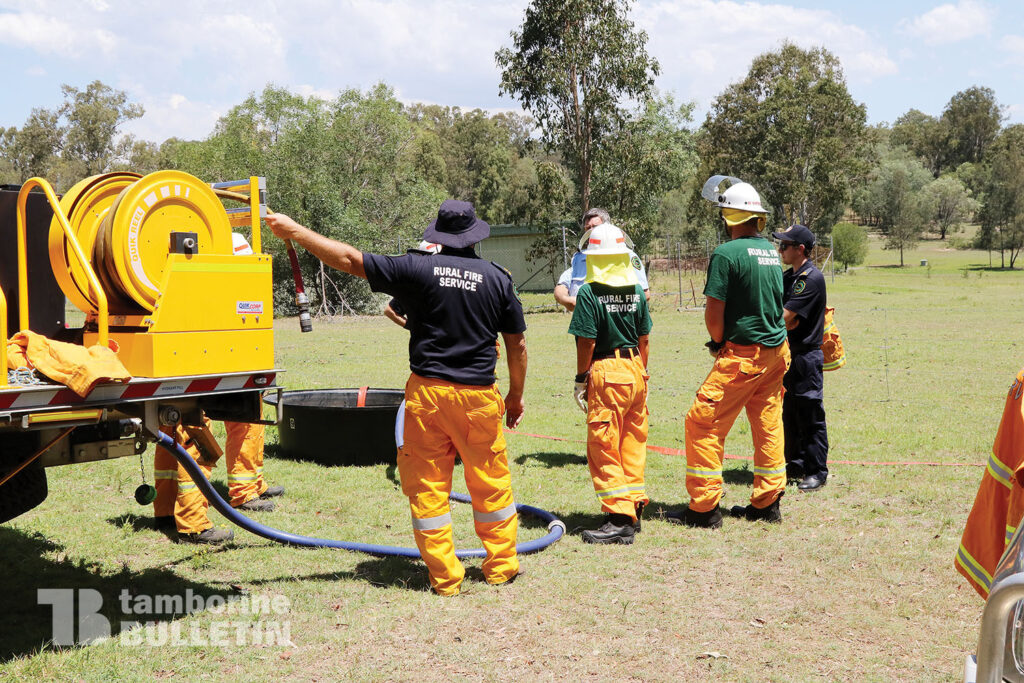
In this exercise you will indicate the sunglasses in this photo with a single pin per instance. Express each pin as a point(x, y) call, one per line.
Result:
point(783, 246)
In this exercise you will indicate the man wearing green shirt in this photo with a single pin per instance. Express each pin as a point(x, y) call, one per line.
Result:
point(611, 323)
point(748, 341)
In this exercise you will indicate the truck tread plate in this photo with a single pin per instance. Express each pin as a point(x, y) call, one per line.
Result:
point(15, 400)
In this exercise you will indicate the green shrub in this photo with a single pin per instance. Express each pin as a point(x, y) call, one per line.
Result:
point(849, 244)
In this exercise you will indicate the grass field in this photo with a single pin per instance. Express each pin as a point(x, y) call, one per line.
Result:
point(856, 584)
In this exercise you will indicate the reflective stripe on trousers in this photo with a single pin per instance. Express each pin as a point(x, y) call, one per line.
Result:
point(617, 432)
point(178, 495)
point(742, 377)
point(442, 420)
point(243, 451)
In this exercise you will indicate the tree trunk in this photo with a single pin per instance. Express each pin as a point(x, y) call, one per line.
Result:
point(901, 256)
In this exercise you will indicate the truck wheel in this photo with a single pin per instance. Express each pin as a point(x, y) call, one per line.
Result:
point(24, 491)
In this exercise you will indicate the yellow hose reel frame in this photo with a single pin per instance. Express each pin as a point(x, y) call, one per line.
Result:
point(170, 313)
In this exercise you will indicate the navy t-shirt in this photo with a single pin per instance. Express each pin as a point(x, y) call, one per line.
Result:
point(456, 306)
point(803, 292)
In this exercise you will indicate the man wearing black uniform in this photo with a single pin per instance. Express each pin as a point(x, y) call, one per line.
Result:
point(803, 415)
point(457, 304)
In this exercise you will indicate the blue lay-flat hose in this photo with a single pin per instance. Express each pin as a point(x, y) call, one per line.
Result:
point(556, 528)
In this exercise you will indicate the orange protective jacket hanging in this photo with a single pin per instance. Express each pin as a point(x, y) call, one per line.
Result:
point(77, 367)
point(999, 505)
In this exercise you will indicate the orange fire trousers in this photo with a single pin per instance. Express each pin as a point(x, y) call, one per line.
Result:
point(177, 494)
point(999, 505)
point(617, 432)
point(742, 377)
point(443, 419)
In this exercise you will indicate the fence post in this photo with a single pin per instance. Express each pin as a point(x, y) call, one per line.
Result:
point(679, 273)
point(565, 250)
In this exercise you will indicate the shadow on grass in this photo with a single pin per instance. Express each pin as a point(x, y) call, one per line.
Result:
point(974, 267)
point(31, 562)
point(739, 476)
point(552, 460)
point(382, 572)
point(142, 523)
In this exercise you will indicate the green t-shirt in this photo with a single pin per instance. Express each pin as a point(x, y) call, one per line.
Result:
point(746, 274)
point(615, 317)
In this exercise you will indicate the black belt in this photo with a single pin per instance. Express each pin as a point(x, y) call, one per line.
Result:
point(617, 353)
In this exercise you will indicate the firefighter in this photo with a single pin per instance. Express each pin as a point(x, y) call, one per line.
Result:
point(999, 505)
point(570, 281)
point(803, 310)
point(611, 324)
point(457, 304)
point(179, 503)
point(743, 315)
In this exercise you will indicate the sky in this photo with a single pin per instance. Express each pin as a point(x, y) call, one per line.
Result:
point(189, 61)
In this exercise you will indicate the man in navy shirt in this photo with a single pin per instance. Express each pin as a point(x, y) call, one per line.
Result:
point(457, 304)
point(803, 414)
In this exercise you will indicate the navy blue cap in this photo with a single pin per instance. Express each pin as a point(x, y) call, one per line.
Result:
point(797, 234)
point(456, 225)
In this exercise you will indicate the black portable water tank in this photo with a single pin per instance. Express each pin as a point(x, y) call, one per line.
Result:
point(45, 298)
point(329, 427)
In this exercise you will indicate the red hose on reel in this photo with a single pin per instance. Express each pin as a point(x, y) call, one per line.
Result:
point(305, 321)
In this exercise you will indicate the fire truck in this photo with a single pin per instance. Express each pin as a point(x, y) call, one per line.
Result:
point(169, 271)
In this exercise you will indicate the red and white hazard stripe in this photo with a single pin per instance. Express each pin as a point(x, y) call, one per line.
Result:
point(39, 396)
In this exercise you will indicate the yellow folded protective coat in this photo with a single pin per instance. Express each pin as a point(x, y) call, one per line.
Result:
point(77, 367)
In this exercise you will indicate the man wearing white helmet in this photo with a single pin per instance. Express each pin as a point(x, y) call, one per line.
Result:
point(573, 277)
point(611, 323)
point(748, 342)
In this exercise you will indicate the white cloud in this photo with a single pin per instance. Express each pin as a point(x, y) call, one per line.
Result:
point(49, 35)
point(308, 91)
point(951, 23)
point(1013, 47)
point(1015, 113)
point(172, 115)
point(704, 45)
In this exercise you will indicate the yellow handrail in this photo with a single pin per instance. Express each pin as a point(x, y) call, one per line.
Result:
point(101, 296)
point(254, 207)
point(3, 339)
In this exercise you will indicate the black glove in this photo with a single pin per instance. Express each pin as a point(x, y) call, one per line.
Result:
point(714, 347)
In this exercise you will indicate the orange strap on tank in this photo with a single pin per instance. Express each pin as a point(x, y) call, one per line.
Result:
point(361, 398)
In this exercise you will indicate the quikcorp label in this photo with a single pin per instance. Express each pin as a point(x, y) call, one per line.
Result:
point(243, 307)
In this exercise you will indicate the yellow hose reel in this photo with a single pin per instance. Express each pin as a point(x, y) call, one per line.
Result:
point(172, 313)
point(124, 222)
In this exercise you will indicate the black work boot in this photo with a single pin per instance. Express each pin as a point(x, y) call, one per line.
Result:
point(772, 513)
point(256, 505)
point(712, 519)
point(272, 492)
point(210, 536)
point(616, 529)
point(813, 482)
point(637, 527)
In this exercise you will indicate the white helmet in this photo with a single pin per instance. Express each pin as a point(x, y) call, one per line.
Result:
point(429, 247)
point(741, 196)
point(606, 239)
point(585, 239)
point(729, 192)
